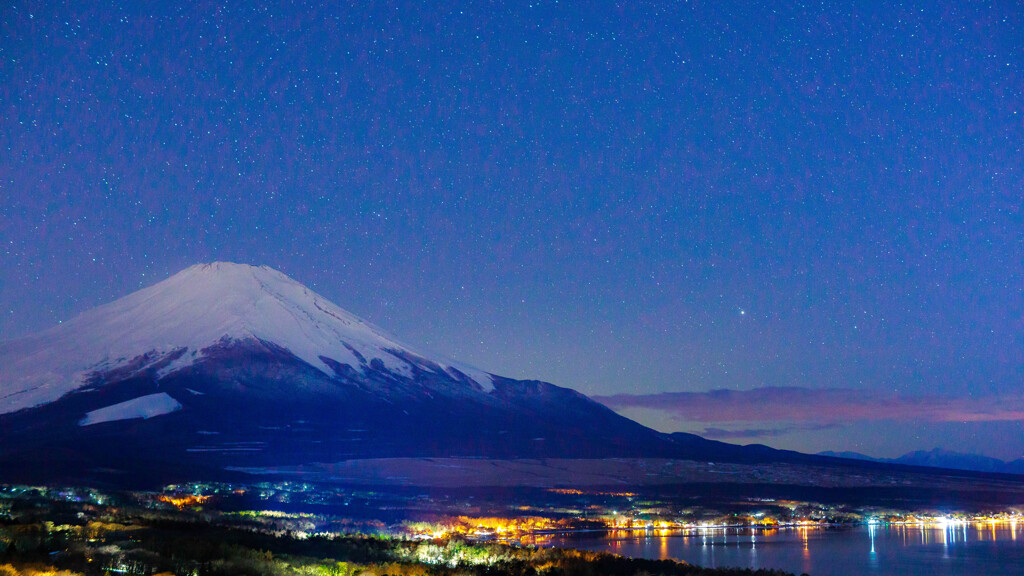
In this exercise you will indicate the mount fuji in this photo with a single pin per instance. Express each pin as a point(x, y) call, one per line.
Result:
point(233, 372)
point(194, 314)
point(226, 366)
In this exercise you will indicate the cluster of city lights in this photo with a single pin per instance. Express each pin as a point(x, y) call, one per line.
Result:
point(182, 502)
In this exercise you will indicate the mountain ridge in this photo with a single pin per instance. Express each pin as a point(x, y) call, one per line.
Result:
point(225, 367)
point(941, 458)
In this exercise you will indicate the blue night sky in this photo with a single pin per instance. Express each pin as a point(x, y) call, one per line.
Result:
point(814, 206)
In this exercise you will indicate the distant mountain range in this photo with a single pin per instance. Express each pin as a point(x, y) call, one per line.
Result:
point(939, 458)
point(227, 369)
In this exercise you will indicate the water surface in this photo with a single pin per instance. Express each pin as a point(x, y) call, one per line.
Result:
point(959, 549)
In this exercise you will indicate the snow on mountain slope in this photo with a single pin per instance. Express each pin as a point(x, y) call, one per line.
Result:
point(199, 307)
point(142, 407)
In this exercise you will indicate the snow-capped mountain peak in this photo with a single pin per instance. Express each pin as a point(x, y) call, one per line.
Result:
point(197, 308)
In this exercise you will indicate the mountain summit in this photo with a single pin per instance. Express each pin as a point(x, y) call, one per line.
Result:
point(203, 308)
point(227, 365)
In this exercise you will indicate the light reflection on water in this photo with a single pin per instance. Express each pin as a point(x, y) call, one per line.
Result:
point(994, 549)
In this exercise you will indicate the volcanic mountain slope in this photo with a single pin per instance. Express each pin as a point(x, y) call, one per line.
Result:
point(228, 365)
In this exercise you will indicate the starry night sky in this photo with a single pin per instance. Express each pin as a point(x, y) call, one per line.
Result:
point(629, 198)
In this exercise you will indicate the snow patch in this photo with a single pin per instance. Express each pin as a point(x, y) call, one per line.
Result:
point(142, 407)
point(485, 380)
point(186, 359)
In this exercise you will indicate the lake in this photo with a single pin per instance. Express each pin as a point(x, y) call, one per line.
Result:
point(933, 550)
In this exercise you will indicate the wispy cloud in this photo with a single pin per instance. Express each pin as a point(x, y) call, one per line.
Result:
point(828, 406)
point(724, 434)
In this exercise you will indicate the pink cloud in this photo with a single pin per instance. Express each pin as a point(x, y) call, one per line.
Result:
point(827, 406)
point(724, 434)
